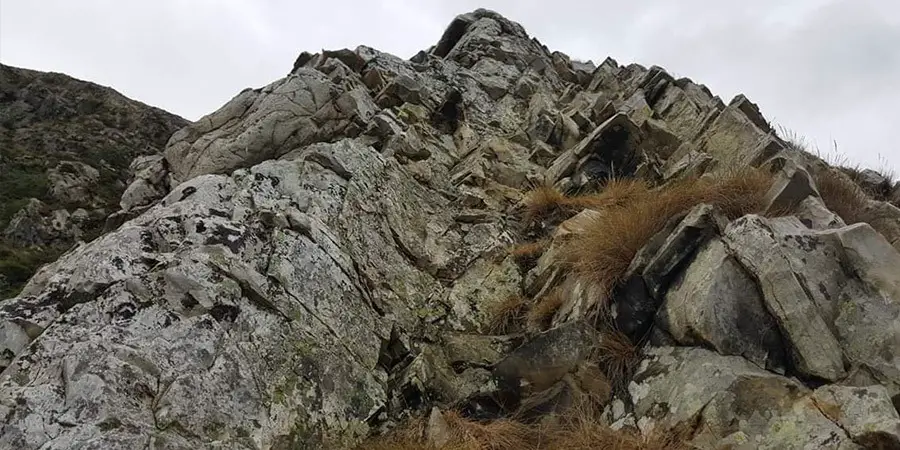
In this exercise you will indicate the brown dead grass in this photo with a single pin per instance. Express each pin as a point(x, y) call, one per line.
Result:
point(618, 357)
point(541, 313)
point(528, 253)
point(842, 196)
point(464, 434)
point(602, 251)
point(544, 202)
point(593, 435)
point(496, 435)
point(617, 192)
point(548, 203)
point(508, 316)
point(581, 429)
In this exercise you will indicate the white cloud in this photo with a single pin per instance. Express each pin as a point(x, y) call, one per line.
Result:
point(824, 68)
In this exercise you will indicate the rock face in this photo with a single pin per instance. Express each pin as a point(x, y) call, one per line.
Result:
point(66, 144)
point(322, 257)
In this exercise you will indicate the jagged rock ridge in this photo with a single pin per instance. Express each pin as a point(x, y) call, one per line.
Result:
point(320, 257)
point(65, 150)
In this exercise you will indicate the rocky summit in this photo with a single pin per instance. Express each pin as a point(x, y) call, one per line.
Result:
point(487, 246)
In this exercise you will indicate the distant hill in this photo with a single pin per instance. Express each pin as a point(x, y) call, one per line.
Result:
point(65, 148)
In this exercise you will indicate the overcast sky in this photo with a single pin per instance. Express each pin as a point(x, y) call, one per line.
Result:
point(827, 69)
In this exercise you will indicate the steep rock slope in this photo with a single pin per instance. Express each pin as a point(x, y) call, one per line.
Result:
point(325, 256)
point(65, 150)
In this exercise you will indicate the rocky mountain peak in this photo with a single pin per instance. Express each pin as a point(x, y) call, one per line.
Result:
point(488, 245)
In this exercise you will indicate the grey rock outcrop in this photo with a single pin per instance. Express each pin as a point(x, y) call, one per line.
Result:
point(742, 406)
point(321, 258)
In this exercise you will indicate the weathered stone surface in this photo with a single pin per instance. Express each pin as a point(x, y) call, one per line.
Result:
point(638, 298)
point(792, 186)
point(613, 144)
point(261, 124)
point(544, 360)
point(813, 213)
point(637, 108)
point(757, 244)
point(692, 164)
point(700, 224)
point(431, 379)
point(885, 218)
point(738, 404)
point(148, 182)
point(295, 264)
point(716, 303)
point(871, 260)
point(480, 289)
point(315, 260)
point(833, 293)
point(865, 413)
point(736, 139)
point(873, 182)
point(73, 182)
point(37, 225)
point(682, 114)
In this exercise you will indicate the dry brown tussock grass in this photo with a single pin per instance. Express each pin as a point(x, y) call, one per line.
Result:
point(542, 311)
point(618, 357)
point(579, 429)
point(548, 203)
point(508, 316)
point(528, 253)
point(604, 248)
point(842, 196)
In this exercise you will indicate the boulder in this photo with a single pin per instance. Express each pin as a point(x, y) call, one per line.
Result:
point(543, 361)
point(873, 182)
point(832, 293)
point(304, 108)
point(736, 139)
point(73, 182)
point(813, 213)
point(282, 273)
point(791, 187)
point(37, 224)
point(148, 182)
point(741, 406)
point(715, 303)
point(613, 144)
point(656, 265)
point(885, 218)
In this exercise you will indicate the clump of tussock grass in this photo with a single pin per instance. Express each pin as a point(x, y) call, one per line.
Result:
point(618, 357)
point(842, 195)
point(836, 160)
point(604, 247)
point(544, 202)
point(541, 313)
point(548, 203)
point(508, 316)
point(578, 428)
point(527, 254)
point(462, 434)
point(882, 191)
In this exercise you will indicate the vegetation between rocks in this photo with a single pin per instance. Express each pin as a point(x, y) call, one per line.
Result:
point(581, 429)
point(599, 250)
point(630, 213)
